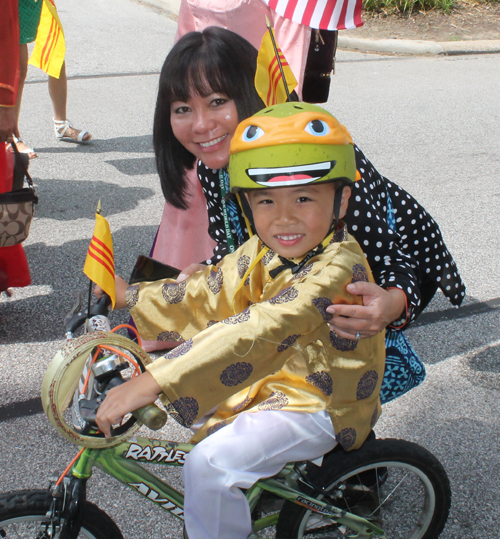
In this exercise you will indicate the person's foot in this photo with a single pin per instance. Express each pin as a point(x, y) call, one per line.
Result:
point(64, 131)
point(23, 148)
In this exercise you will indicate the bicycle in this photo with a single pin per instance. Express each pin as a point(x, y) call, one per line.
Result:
point(386, 489)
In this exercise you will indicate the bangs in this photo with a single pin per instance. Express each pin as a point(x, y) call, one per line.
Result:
point(201, 74)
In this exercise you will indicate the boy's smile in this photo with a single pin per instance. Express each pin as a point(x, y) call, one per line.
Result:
point(293, 220)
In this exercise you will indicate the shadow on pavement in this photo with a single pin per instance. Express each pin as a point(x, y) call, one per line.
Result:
point(59, 269)
point(137, 144)
point(68, 200)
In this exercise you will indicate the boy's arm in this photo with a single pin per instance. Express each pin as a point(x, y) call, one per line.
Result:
point(169, 310)
point(126, 398)
point(239, 351)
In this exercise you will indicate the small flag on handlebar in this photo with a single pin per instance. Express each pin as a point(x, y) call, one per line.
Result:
point(99, 265)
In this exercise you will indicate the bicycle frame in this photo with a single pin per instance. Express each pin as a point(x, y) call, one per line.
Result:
point(123, 463)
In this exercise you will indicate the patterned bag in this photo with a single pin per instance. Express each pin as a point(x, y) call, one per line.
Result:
point(16, 209)
point(404, 370)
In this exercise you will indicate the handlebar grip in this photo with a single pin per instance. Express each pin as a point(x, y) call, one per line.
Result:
point(151, 415)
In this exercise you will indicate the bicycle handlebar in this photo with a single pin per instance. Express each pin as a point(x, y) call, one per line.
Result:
point(150, 415)
point(77, 316)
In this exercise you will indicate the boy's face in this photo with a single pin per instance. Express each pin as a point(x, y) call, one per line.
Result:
point(293, 220)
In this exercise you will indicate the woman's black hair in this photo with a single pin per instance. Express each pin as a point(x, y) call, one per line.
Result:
point(215, 60)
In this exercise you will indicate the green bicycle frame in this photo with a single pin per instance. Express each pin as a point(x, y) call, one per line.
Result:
point(123, 463)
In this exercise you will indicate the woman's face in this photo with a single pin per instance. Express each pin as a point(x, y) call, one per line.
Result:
point(205, 126)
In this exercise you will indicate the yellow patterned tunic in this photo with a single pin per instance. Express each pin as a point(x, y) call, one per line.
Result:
point(276, 353)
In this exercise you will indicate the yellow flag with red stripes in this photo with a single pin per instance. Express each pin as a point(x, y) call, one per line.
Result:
point(268, 79)
point(100, 265)
point(50, 46)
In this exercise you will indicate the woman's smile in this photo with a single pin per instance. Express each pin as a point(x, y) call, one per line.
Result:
point(205, 127)
point(212, 142)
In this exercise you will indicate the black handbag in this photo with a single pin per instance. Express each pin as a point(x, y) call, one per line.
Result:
point(17, 207)
point(320, 65)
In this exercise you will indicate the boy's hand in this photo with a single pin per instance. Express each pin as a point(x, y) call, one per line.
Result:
point(126, 398)
point(380, 308)
point(186, 272)
point(121, 286)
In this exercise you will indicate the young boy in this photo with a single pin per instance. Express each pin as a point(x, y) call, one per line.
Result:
point(253, 332)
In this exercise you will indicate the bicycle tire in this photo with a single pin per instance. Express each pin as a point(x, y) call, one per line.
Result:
point(22, 513)
point(360, 482)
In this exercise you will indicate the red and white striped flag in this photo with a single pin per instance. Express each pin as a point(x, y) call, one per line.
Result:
point(322, 14)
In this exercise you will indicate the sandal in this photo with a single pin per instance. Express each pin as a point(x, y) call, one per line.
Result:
point(30, 152)
point(64, 131)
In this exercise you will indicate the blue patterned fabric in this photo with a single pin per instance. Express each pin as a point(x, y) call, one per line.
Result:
point(404, 370)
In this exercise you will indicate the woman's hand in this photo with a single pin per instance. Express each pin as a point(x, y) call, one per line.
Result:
point(186, 272)
point(126, 398)
point(121, 286)
point(380, 308)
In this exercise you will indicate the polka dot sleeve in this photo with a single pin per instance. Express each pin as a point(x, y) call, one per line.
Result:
point(401, 241)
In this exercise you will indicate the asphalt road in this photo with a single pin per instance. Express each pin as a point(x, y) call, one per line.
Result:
point(431, 124)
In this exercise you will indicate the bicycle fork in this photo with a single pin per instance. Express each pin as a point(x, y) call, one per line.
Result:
point(68, 504)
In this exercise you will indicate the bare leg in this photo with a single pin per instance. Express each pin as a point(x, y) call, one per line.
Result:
point(58, 91)
point(23, 70)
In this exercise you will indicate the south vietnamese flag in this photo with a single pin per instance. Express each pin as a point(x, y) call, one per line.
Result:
point(99, 265)
point(50, 46)
point(269, 82)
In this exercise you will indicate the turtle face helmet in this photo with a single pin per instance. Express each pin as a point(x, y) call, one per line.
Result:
point(291, 144)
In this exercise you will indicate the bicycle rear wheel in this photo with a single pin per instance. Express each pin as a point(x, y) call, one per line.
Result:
point(398, 485)
point(23, 514)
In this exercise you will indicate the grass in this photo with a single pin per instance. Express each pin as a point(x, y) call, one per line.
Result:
point(409, 6)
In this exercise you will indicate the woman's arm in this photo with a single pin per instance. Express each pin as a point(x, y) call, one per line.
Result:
point(380, 308)
point(384, 239)
point(121, 286)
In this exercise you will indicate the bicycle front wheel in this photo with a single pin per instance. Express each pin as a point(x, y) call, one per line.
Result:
point(23, 515)
point(398, 485)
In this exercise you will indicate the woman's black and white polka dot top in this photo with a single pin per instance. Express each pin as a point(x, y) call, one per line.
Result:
point(401, 241)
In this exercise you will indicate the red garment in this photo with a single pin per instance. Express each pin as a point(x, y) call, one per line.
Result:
point(14, 269)
point(9, 58)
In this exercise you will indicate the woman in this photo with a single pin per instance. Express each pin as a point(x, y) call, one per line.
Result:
point(206, 88)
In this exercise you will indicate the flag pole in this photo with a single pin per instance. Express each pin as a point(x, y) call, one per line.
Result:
point(268, 24)
point(98, 211)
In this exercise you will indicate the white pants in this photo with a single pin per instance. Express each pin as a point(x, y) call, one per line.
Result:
point(254, 446)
